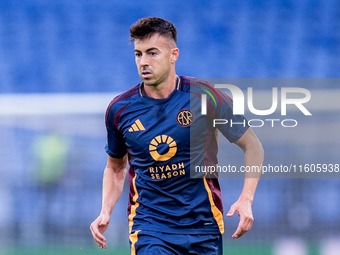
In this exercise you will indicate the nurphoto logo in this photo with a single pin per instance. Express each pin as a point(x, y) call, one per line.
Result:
point(239, 105)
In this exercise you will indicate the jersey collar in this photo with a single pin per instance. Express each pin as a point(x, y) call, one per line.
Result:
point(159, 101)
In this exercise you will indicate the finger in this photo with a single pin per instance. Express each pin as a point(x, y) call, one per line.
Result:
point(101, 243)
point(97, 236)
point(240, 229)
point(231, 212)
point(238, 233)
point(247, 222)
point(243, 227)
point(104, 221)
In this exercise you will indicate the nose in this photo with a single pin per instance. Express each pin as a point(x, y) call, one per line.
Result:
point(143, 60)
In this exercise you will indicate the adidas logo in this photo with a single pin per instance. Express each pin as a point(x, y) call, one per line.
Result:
point(137, 126)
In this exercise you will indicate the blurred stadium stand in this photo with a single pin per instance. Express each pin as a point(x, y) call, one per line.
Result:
point(81, 46)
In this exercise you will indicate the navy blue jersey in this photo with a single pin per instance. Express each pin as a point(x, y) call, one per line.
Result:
point(164, 139)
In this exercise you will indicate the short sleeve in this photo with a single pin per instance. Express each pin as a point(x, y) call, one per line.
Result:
point(115, 143)
point(234, 126)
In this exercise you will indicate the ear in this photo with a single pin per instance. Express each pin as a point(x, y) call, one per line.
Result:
point(174, 55)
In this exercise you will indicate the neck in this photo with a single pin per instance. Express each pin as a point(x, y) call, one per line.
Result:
point(162, 90)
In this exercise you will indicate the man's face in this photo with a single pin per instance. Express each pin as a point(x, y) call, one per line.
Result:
point(154, 58)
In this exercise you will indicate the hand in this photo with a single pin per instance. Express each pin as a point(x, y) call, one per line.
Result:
point(98, 227)
point(243, 209)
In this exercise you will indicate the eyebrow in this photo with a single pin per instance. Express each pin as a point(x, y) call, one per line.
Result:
point(148, 50)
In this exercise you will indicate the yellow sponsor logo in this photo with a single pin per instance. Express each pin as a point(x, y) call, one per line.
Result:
point(167, 171)
point(159, 140)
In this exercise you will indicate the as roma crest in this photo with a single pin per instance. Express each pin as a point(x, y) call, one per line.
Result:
point(185, 118)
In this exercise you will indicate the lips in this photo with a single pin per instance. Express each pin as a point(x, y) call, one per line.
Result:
point(146, 74)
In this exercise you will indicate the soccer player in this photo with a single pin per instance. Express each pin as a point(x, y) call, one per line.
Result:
point(158, 128)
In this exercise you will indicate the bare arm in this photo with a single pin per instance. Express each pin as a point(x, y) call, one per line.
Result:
point(113, 183)
point(254, 156)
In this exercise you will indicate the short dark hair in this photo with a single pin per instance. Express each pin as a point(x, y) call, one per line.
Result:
point(146, 27)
